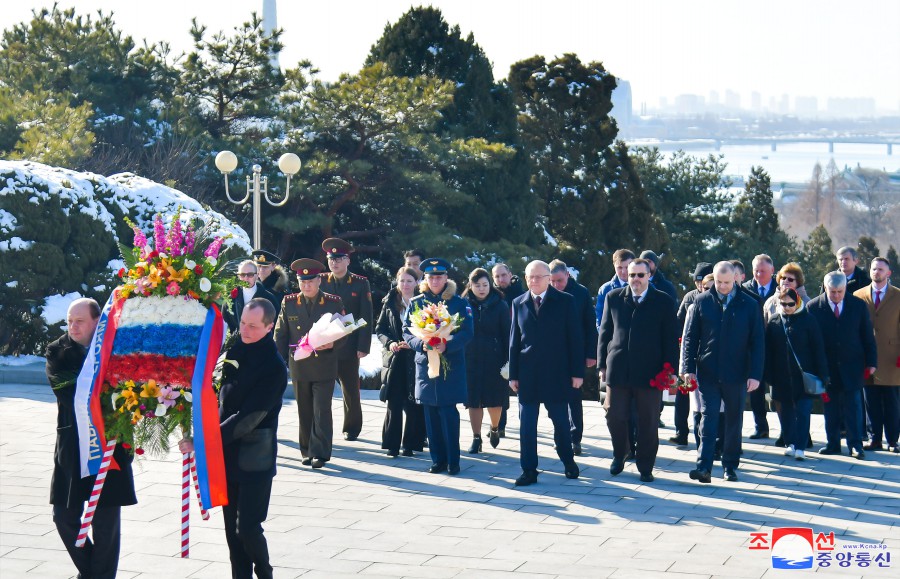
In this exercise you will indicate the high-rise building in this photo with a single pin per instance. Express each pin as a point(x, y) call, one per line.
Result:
point(270, 23)
point(622, 107)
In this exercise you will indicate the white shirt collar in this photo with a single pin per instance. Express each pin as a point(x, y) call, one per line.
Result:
point(542, 295)
point(249, 292)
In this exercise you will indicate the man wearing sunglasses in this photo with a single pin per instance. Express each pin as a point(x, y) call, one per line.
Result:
point(248, 287)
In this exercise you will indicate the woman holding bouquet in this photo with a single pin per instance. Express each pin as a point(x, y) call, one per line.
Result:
point(440, 390)
point(398, 373)
point(485, 356)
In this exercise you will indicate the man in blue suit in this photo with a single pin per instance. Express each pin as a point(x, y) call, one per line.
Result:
point(723, 348)
point(850, 348)
point(546, 359)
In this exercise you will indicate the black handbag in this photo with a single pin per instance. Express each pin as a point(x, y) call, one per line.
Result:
point(383, 393)
point(812, 384)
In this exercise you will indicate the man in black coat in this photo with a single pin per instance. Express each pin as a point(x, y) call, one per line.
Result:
point(562, 281)
point(249, 287)
point(68, 491)
point(546, 359)
point(850, 349)
point(762, 286)
point(511, 288)
point(848, 264)
point(723, 348)
point(638, 337)
point(657, 278)
point(249, 402)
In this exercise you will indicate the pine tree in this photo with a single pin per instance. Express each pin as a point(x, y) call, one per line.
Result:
point(867, 250)
point(754, 225)
point(895, 266)
point(817, 258)
point(50, 130)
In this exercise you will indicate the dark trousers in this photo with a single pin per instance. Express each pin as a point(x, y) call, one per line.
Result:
point(248, 505)
point(98, 559)
point(844, 407)
point(576, 415)
point(720, 433)
point(314, 410)
point(394, 433)
point(348, 375)
point(883, 410)
point(712, 395)
point(442, 425)
point(646, 402)
point(758, 406)
point(562, 436)
point(795, 422)
point(682, 409)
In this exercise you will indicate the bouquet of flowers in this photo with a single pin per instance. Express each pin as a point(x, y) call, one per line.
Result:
point(328, 329)
point(434, 325)
point(665, 380)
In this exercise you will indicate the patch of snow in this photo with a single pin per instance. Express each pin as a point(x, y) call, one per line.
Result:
point(15, 244)
point(12, 283)
point(57, 306)
point(435, 50)
point(20, 360)
point(547, 237)
point(8, 222)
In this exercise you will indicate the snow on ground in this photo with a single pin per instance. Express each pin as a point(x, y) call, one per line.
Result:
point(20, 360)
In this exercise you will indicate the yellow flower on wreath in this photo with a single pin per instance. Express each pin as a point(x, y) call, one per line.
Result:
point(155, 276)
point(150, 389)
point(136, 416)
point(175, 275)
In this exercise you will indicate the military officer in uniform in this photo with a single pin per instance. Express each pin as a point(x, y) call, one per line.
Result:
point(272, 275)
point(356, 295)
point(313, 377)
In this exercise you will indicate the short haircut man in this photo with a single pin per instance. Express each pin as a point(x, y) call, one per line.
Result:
point(621, 255)
point(267, 308)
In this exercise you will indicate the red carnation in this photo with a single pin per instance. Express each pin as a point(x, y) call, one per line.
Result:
point(434, 342)
point(139, 451)
point(234, 293)
point(122, 272)
point(825, 397)
point(126, 446)
point(198, 269)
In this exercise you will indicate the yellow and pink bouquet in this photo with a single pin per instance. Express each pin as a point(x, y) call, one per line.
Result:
point(434, 324)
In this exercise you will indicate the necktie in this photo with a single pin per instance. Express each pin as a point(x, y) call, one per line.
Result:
point(537, 303)
point(762, 291)
point(837, 312)
point(877, 298)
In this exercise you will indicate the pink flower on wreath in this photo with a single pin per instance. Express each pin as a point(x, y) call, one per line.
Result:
point(175, 239)
point(167, 396)
point(189, 240)
point(214, 247)
point(159, 233)
point(140, 240)
point(142, 286)
point(173, 289)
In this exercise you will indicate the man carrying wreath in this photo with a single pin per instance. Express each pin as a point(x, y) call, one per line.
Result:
point(638, 348)
point(313, 377)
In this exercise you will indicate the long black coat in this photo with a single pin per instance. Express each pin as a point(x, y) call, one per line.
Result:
point(398, 370)
point(585, 307)
point(637, 340)
point(849, 340)
point(64, 360)
point(249, 403)
point(234, 310)
point(546, 349)
point(487, 353)
point(724, 345)
point(782, 371)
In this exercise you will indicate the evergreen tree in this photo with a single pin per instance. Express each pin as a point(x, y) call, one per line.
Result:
point(895, 266)
point(754, 225)
point(817, 258)
point(867, 250)
point(689, 196)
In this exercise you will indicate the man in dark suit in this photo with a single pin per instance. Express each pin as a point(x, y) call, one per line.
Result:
point(657, 278)
point(638, 337)
point(68, 491)
point(850, 349)
point(848, 264)
point(249, 287)
point(356, 296)
point(723, 348)
point(762, 285)
point(561, 280)
point(313, 377)
point(546, 359)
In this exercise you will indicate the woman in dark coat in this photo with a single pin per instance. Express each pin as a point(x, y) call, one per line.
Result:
point(398, 372)
point(486, 354)
point(441, 394)
point(791, 320)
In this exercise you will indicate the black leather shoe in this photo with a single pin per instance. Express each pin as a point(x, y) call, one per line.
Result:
point(759, 435)
point(453, 469)
point(437, 468)
point(475, 447)
point(678, 440)
point(349, 437)
point(528, 477)
point(630, 455)
point(576, 448)
point(494, 438)
point(895, 449)
point(872, 447)
point(647, 477)
point(661, 423)
point(827, 451)
point(502, 432)
point(318, 463)
point(617, 466)
point(306, 461)
point(700, 475)
point(809, 443)
point(393, 453)
point(779, 442)
point(858, 454)
point(730, 475)
point(407, 452)
point(572, 470)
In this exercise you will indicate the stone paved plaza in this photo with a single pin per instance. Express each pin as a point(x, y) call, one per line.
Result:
point(366, 514)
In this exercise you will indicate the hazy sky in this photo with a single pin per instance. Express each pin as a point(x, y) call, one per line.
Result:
point(821, 48)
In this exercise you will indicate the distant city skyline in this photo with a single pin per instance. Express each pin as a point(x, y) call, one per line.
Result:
point(822, 49)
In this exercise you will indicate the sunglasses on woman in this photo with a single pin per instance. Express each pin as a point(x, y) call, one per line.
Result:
point(788, 304)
